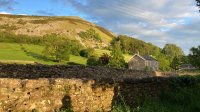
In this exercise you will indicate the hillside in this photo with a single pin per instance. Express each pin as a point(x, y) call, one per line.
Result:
point(70, 27)
point(22, 39)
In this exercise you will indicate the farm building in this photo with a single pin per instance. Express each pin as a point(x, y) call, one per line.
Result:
point(138, 62)
point(187, 67)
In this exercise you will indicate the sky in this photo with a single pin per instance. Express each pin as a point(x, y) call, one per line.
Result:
point(156, 21)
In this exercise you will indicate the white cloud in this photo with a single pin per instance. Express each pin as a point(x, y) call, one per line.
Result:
point(156, 21)
point(4, 12)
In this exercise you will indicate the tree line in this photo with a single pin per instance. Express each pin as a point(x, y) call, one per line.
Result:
point(198, 3)
point(169, 58)
point(59, 48)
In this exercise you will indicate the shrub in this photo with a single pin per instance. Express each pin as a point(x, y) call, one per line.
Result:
point(117, 58)
point(104, 59)
point(90, 34)
point(92, 61)
point(73, 63)
point(87, 52)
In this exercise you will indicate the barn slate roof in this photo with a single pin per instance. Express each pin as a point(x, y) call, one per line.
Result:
point(144, 57)
point(147, 57)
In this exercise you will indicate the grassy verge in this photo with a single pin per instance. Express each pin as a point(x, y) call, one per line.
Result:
point(183, 97)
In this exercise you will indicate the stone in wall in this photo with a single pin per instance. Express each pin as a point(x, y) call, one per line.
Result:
point(48, 95)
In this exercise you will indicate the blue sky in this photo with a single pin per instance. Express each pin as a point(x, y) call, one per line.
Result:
point(155, 21)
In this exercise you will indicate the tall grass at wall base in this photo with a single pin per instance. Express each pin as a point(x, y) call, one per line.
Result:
point(184, 96)
point(181, 100)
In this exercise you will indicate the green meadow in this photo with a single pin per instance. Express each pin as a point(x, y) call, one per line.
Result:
point(28, 53)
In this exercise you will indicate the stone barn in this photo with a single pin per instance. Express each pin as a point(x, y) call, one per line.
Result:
point(138, 62)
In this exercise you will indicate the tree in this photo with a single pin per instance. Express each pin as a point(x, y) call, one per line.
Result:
point(132, 45)
point(185, 60)
point(172, 50)
point(63, 51)
point(194, 56)
point(176, 63)
point(75, 47)
point(117, 58)
point(164, 63)
point(198, 3)
point(57, 48)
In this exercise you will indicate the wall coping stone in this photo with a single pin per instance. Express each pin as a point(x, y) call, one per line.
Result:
point(99, 74)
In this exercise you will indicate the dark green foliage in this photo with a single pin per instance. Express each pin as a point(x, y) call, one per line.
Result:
point(90, 34)
point(92, 61)
point(87, 52)
point(176, 63)
point(183, 96)
point(117, 58)
point(131, 46)
point(184, 81)
point(104, 59)
point(198, 3)
point(75, 47)
point(185, 60)
point(121, 108)
point(194, 56)
point(73, 63)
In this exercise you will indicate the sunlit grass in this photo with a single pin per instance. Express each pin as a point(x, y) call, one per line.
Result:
point(15, 52)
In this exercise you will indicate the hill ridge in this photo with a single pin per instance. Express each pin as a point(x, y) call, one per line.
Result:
point(69, 26)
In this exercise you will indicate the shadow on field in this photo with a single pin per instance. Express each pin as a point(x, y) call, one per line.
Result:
point(38, 56)
point(34, 55)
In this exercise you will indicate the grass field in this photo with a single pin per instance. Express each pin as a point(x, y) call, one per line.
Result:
point(15, 53)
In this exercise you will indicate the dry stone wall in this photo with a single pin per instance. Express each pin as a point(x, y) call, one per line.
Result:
point(18, 95)
point(83, 89)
